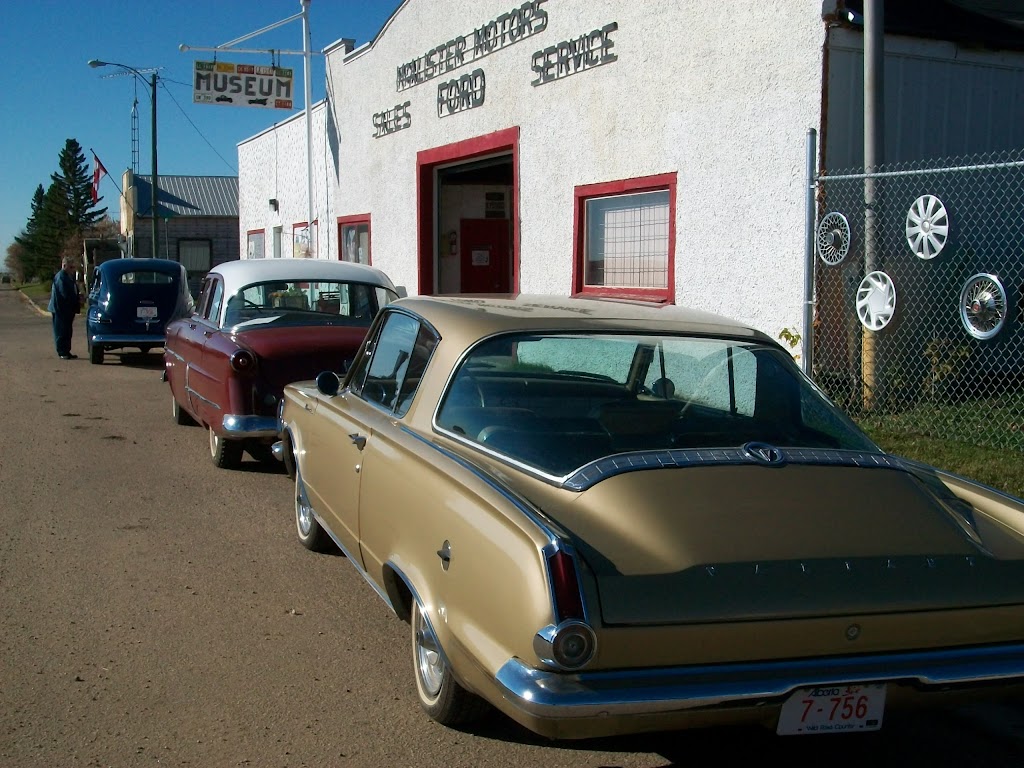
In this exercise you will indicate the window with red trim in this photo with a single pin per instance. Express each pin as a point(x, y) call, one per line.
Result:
point(625, 238)
point(303, 240)
point(354, 238)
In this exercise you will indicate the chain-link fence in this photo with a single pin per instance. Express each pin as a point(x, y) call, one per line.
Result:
point(919, 289)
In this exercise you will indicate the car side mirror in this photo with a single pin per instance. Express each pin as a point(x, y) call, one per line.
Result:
point(400, 290)
point(328, 383)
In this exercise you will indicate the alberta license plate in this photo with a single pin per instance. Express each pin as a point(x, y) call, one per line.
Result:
point(833, 709)
point(146, 313)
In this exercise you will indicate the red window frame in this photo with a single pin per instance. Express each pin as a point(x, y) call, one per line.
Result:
point(313, 234)
point(251, 232)
point(657, 183)
point(356, 220)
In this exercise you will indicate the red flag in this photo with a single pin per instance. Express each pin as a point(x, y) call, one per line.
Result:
point(98, 173)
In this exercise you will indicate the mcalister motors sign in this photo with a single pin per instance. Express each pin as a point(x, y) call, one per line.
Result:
point(242, 85)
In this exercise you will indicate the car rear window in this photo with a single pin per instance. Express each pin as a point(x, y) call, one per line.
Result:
point(559, 401)
point(146, 277)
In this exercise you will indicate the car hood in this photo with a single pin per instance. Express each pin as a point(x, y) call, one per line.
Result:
point(741, 542)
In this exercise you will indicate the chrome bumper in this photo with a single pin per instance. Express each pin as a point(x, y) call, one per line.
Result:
point(129, 340)
point(237, 427)
point(559, 696)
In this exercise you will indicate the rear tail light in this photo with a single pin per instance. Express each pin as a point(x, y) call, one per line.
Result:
point(565, 586)
point(243, 361)
point(570, 643)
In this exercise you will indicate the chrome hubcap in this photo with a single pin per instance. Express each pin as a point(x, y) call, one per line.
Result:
point(303, 511)
point(428, 658)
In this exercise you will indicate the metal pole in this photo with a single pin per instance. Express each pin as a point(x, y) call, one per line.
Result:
point(307, 58)
point(874, 36)
point(809, 218)
point(155, 185)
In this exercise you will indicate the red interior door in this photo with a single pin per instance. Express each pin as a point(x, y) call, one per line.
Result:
point(484, 256)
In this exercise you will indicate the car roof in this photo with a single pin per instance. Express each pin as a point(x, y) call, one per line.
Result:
point(242, 272)
point(474, 317)
point(120, 266)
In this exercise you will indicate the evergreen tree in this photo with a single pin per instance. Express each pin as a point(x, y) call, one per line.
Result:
point(75, 184)
point(29, 239)
point(55, 226)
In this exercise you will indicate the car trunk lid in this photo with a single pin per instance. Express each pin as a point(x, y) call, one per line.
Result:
point(734, 543)
point(288, 354)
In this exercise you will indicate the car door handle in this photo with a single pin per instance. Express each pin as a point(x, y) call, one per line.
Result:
point(445, 553)
point(357, 440)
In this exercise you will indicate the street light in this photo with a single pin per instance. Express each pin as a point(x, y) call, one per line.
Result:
point(152, 92)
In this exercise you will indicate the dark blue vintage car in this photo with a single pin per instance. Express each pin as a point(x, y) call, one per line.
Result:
point(131, 301)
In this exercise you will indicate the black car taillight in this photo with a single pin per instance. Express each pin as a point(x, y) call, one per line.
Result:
point(243, 361)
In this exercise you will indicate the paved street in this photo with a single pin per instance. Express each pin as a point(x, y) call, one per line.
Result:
point(157, 610)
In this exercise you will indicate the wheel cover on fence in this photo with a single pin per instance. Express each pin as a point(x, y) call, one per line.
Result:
point(927, 227)
point(833, 238)
point(983, 306)
point(876, 301)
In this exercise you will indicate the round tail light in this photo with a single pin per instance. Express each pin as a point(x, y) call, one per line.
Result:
point(243, 361)
point(569, 646)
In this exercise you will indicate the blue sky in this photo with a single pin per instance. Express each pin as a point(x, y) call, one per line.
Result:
point(53, 95)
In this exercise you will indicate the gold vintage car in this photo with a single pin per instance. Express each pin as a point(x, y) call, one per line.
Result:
point(605, 517)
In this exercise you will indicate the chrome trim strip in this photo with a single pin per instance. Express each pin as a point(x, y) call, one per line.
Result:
point(355, 563)
point(532, 513)
point(593, 473)
point(157, 338)
point(174, 354)
point(235, 426)
point(557, 696)
point(200, 397)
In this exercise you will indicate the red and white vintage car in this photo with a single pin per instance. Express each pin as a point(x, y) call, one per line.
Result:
point(258, 325)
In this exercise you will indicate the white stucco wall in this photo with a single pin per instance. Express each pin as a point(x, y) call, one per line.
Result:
point(272, 165)
point(721, 94)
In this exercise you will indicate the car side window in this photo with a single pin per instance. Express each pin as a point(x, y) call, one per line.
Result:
point(213, 308)
point(397, 359)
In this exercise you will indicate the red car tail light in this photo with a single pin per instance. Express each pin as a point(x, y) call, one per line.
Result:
point(243, 361)
point(565, 586)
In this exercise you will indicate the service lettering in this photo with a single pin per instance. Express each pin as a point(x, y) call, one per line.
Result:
point(569, 57)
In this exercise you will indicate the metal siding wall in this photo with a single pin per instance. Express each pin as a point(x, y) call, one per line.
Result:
point(937, 103)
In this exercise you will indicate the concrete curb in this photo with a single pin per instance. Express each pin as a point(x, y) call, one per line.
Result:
point(39, 310)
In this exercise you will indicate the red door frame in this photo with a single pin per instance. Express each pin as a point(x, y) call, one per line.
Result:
point(427, 162)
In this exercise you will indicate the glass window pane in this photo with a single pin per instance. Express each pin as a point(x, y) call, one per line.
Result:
point(627, 240)
point(355, 243)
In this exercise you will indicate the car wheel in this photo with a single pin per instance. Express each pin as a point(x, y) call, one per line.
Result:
point(311, 534)
point(95, 354)
point(179, 414)
point(440, 694)
point(226, 454)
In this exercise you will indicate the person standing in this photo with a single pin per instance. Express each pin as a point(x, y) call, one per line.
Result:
point(65, 303)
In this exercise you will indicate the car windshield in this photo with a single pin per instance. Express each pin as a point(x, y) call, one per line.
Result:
point(559, 401)
point(299, 302)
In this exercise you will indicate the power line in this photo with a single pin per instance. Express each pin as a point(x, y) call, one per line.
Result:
point(164, 80)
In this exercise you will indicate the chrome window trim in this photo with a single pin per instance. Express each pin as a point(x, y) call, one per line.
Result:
point(678, 458)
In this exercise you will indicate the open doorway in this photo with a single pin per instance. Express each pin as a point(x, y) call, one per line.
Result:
point(468, 216)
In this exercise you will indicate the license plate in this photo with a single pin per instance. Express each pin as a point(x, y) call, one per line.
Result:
point(147, 313)
point(833, 709)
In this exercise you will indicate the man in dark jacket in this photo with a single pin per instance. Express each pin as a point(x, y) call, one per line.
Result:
point(64, 305)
